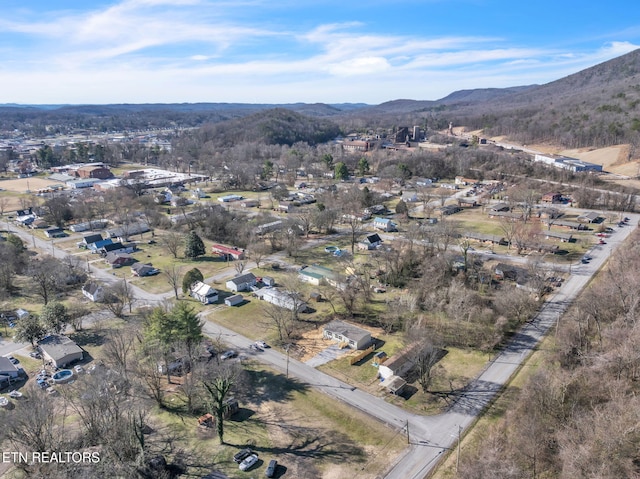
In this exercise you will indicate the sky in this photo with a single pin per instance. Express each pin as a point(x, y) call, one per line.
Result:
point(288, 51)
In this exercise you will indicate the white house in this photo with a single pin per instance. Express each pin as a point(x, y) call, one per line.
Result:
point(242, 282)
point(384, 224)
point(284, 299)
point(370, 242)
point(410, 197)
point(203, 293)
point(93, 291)
point(317, 275)
point(353, 336)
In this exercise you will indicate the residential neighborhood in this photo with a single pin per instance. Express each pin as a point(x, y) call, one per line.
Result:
point(396, 289)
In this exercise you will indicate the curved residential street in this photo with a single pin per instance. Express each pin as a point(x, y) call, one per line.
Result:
point(429, 436)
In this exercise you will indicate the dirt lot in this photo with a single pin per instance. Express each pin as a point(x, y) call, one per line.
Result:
point(14, 189)
point(21, 185)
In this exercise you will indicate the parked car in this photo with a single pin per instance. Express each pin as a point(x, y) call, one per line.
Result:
point(13, 360)
point(248, 462)
point(242, 455)
point(228, 355)
point(271, 468)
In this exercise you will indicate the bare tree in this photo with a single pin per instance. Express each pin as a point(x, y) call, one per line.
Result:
point(239, 266)
point(280, 319)
point(218, 385)
point(257, 251)
point(46, 276)
point(119, 348)
point(117, 297)
point(173, 242)
point(174, 277)
point(34, 424)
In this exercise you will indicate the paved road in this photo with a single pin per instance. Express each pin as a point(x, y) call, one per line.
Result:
point(429, 436)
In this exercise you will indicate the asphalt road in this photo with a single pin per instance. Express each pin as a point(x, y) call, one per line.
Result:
point(429, 436)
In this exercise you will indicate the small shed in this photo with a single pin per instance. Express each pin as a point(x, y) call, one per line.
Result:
point(234, 300)
point(206, 421)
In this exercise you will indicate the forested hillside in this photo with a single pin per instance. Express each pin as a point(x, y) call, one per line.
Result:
point(578, 416)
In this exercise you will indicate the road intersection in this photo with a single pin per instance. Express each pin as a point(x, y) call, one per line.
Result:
point(429, 437)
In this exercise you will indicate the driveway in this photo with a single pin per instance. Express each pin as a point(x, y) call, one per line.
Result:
point(326, 355)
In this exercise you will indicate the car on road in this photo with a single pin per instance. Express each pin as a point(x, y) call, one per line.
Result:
point(602, 242)
point(228, 355)
point(248, 462)
point(242, 455)
point(271, 468)
point(255, 347)
point(261, 344)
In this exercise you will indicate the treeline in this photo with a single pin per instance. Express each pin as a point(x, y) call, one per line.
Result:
point(579, 414)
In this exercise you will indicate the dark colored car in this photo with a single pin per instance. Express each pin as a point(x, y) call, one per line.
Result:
point(271, 468)
point(241, 455)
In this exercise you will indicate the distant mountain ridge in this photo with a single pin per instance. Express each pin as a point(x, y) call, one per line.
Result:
point(598, 106)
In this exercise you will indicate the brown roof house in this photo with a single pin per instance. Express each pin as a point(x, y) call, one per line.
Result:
point(60, 350)
point(392, 370)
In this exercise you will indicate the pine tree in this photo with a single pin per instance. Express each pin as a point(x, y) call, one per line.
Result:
point(194, 246)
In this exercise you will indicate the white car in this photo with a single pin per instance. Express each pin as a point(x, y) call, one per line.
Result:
point(261, 344)
point(248, 462)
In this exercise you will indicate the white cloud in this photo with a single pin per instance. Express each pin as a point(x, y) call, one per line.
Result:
point(191, 50)
point(360, 66)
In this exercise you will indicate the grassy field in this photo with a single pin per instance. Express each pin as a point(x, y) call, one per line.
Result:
point(283, 419)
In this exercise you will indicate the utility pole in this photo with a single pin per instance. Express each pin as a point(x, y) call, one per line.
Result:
point(408, 441)
point(458, 455)
point(287, 348)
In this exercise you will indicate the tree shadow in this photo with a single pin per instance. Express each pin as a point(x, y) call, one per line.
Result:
point(269, 386)
point(89, 337)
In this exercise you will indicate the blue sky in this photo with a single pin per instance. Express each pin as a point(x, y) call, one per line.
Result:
point(259, 51)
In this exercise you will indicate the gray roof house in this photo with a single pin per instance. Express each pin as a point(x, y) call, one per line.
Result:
point(60, 350)
point(353, 336)
point(7, 368)
point(242, 282)
point(93, 291)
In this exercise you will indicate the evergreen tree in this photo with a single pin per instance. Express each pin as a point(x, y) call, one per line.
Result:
point(187, 326)
point(363, 166)
point(194, 246)
point(341, 171)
